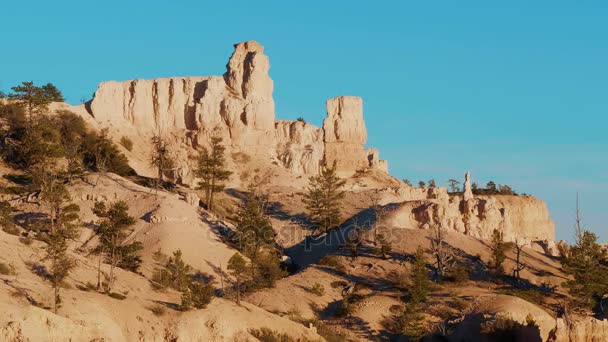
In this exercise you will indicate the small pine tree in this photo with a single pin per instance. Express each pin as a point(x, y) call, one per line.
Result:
point(323, 198)
point(186, 300)
point(432, 183)
point(201, 293)
point(419, 278)
point(499, 253)
point(211, 169)
point(112, 231)
point(63, 228)
point(411, 322)
point(34, 99)
point(491, 187)
point(237, 266)
point(585, 262)
point(453, 183)
point(421, 184)
point(160, 157)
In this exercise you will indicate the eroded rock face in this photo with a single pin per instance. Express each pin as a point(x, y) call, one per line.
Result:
point(518, 217)
point(238, 107)
point(587, 329)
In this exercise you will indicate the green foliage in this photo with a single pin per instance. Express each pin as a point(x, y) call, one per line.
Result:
point(323, 198)
point(406, 181)
point(161, 157)
point(499, 249)
point(419, 278)
point(585, 263)
point(34, 99)
point(237, 266)
point(101, 154)
point(62, 228)
point(113, 229)
point(301, 119)
point(268, 335)
point(502, 328)
point(411, 322)
point(126, 143)
point(211, 169)
point(530, 321)
point(453, 183)
point(459, 273)
point(432, 183)
point(268, 269)
point(317, 289)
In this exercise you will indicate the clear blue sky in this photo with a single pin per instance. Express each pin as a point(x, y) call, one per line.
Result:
point(516, 92)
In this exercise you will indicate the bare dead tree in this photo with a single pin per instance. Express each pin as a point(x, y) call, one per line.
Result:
point(519, 266)
point(378, 210)
point(444, 259)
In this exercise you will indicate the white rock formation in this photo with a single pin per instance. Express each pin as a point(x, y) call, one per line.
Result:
point(468, 193)
point(239, 107)
point(518, 217)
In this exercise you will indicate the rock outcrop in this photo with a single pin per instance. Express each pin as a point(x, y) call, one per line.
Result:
point(519, 217)
point(587, 329)
point(238, 107)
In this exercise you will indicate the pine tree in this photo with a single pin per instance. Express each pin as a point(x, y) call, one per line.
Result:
point(63, 228)
point(586, 263)
point(160, 157)
point(419, 278)
point(323, 198)
point(34, 99)
point(211, 169)
point(499, 253)
point(113, 231)
point(411, 322)
point(453, 184)
point(253, 230)
point(237, 266)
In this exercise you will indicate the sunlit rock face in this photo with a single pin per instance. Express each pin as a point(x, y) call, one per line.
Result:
point(238, 107)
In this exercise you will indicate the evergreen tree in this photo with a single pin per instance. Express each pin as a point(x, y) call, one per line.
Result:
point(421, 184)
point(323, 198)
point(585, 262)
point(113, 231)
point(432, 183)
point(499, 249)
point(491, 187)
point(411, 322)
point(419, 278)
point(160, 157)
point(453, 185)
point(63, 229)
point(34, 99)
point(211, 169)
point(237, 266)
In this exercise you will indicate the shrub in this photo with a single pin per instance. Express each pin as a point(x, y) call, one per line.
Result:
point(332, 261)
point(117, 295)
point(338, 284)
point(13, 230)
point(300, 119)
point(527, 295)
point(502, 328)
point(7, 269)
point(317, 289)
point(269, 335)
point(27, 240)
point(459, 274)
point(126, 143)
point(201, 293)
point(157, 310)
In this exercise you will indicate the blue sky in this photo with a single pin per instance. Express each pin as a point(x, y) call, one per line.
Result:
point(516, 92)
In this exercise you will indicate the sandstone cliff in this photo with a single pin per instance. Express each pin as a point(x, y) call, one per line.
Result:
point(239, 107)
point(518, 217)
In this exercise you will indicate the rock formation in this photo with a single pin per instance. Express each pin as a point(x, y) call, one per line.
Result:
point(468, 193)
point(239, 107)
point(518, 217)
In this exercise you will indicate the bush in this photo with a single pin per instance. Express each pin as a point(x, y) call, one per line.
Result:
point(502, 328)
point(459, 274)
point(527, 295)
point(126, 143)
point(7, 269)
point(269, 335)
point(338, 284)
point(13, 230)
point(158, 310)
point(333, 261)
point(300, 119)
point(201, 293)
point(117, 295)
point(317, 289)
point(27, 240)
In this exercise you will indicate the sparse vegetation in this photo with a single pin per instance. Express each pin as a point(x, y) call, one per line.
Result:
point(317, 289)
point(211, 169)
point(126, 143)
